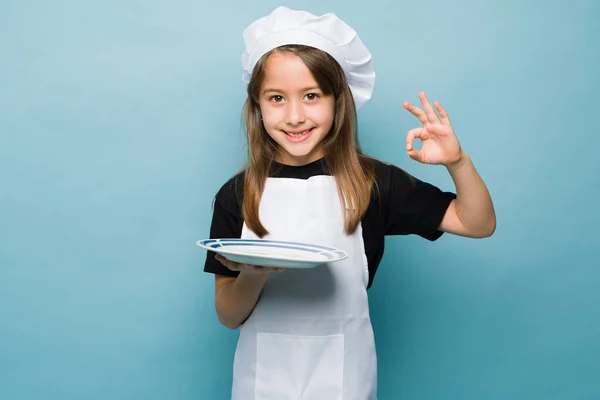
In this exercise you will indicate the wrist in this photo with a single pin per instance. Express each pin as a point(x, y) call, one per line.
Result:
point(463, 159)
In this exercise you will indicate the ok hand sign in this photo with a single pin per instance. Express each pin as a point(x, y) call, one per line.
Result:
point(439, 144)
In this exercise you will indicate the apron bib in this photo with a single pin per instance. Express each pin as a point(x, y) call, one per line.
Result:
point(309, 336)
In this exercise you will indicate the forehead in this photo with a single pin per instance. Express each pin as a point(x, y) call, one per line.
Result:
point(285, 71)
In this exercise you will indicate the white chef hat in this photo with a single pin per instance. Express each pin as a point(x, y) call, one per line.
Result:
point(326, 32)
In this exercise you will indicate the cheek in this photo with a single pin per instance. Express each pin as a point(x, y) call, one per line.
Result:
point(269, 122)
point(325, 115)
point(270, 116)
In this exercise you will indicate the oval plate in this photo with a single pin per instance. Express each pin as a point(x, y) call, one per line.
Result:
point(273, 253)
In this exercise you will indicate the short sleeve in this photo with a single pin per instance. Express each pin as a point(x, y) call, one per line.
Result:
point(226, 222)
point(412, 206)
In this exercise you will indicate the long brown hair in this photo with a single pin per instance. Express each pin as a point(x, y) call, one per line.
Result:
point(344, 159)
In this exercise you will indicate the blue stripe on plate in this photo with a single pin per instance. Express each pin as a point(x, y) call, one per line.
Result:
point(329, 252)
point(216, 245)
point(273, 241)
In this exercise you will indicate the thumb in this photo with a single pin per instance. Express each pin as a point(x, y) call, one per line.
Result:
point(417, 155)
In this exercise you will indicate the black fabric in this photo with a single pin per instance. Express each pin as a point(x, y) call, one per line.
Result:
point(400, 205)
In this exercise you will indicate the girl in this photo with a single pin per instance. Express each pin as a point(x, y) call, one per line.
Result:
point(306, 334)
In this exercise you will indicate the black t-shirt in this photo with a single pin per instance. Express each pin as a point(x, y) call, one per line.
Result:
point(400, 205)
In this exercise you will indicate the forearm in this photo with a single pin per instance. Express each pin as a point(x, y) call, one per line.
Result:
point(474, 207)
point(236, 299)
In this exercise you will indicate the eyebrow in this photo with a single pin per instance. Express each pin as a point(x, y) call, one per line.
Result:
point(267, 90)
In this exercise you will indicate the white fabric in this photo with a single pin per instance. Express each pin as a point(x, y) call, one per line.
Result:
point(326, 32)
point(309, 336)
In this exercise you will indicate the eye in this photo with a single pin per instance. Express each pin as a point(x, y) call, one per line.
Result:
point(276, 99)
point(312, 96)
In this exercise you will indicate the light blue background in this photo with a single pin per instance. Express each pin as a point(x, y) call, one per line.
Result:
point(119, 120)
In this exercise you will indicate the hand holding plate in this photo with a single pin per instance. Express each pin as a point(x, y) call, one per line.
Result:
point(247, 268)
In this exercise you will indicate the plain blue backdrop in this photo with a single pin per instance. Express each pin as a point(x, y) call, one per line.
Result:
point(119, 120)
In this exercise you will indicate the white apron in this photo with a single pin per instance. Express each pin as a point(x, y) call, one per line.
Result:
point(310, 335)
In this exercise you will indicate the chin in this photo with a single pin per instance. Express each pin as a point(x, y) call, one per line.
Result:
point(300, 158)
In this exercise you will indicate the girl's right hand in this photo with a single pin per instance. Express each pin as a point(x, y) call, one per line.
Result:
point(247, 268)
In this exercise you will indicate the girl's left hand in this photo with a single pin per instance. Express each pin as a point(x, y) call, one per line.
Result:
point(439, 144)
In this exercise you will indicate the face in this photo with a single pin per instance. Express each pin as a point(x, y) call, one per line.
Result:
point(294, 110)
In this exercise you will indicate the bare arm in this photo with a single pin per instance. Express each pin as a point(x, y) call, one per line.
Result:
point(472, 213)
point(236, 297)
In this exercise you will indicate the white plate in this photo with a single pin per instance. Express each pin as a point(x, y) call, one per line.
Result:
point(273, 253)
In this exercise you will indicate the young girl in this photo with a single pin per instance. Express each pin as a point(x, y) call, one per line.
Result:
point(306, 333)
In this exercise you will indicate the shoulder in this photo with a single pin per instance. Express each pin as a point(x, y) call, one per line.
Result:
point(232, 191)
point(389, 176)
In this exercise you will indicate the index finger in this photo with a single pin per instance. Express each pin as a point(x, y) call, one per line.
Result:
point(416, 111)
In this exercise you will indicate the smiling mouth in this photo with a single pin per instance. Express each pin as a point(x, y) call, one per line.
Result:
point(298, 134)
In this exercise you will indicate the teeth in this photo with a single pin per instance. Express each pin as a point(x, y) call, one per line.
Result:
point(296, 135)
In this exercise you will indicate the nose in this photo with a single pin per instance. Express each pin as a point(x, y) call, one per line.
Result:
point(295, 113)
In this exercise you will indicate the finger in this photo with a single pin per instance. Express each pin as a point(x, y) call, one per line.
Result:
point(429, 111)
point(416, 155)
point(416, 133)
point(443, 114)
point(269, 269)
point(221, 259)
point(413, 134)
point(257, 268)
point(416, 111)
point(229, 264)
